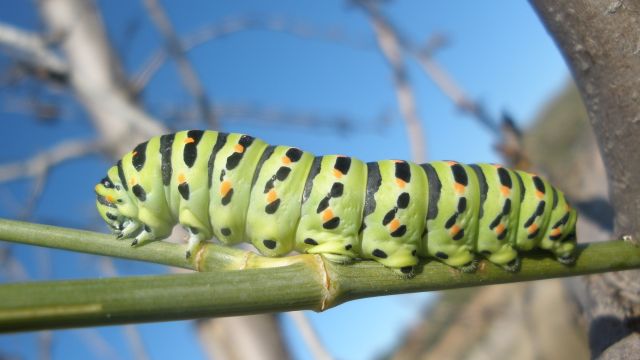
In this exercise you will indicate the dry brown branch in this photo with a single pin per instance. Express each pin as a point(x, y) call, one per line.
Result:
point(508, 134)
point(511, 145)
point(13, 269)
point(390, 45)
point(275, 116)
point(238, 24)
point(40, 164)
point(99, 347)
point(131, 333)
point(96, 74)
point(33, 106)
point(31, 49)
point(242, 337)
point(36, 193)
point(16, 272)
point(452, 90)
point(187, 72)
point(309, 335)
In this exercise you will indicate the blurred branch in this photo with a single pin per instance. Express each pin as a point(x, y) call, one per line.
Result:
point(98, 345)
point(131, 333)
point(268, 115)
point(243, 337)
point(237, 24)
point(39, 165)
point(96, 74)
point(186, 70)
point(390, 45)
point(394, 44)
point(423, 55)
point(13, 269)
point(31, 50)
point(451, 89)
point(264, 284)
point(511, 145)
point(309, 335)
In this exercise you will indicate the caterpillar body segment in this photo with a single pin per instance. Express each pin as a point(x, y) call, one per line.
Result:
point(332, 204)
point(238, 188)
point(395, 210)
point(499, 192)
point(230, 168)
point(452, 230)
point(274, 206)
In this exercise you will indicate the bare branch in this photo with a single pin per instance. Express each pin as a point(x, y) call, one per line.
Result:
point(238, 24)
point(131, 332)
point(452, 90)
point(511, 146)
point(97, 344)
point(96, 74)
point(230, 338)
point(31, 49)
point(40, 164)
point(187, 72)
point(13, 269)
point(273, 116)
point(390, 46)
point(309, 335)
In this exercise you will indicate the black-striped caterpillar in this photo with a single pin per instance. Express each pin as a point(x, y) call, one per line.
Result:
point(238, 188)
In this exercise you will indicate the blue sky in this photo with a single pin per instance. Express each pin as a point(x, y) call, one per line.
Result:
point(498, 52)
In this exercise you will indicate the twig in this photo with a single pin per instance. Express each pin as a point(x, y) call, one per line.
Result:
point(452, 90)
point(12, 267)
point(39, 165)
point(309, 335)
point(270, 116)
point(256, 336)
point(238, 24)
point(390, 46)
point(98, 345)
point(30, 48)
point(97, 77)
point(130, 331)
point(186, 70)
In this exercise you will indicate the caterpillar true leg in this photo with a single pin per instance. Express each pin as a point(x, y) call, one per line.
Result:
point(195, 237)
point(144, 236)
point(131, 229)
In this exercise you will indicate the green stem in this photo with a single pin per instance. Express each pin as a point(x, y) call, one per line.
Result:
point(210, 257)
point(265, 284)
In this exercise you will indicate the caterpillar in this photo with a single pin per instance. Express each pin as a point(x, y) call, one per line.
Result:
point(238, 188)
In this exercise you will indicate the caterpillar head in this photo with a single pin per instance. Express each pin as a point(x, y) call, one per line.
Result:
point(113, 202)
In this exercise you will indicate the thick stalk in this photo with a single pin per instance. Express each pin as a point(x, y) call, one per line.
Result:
point(264, 285)
point(599, 40)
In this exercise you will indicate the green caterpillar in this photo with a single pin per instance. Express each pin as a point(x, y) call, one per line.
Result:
point(238, 188)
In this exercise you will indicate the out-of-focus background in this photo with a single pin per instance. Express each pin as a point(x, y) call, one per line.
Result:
point(82, 82)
